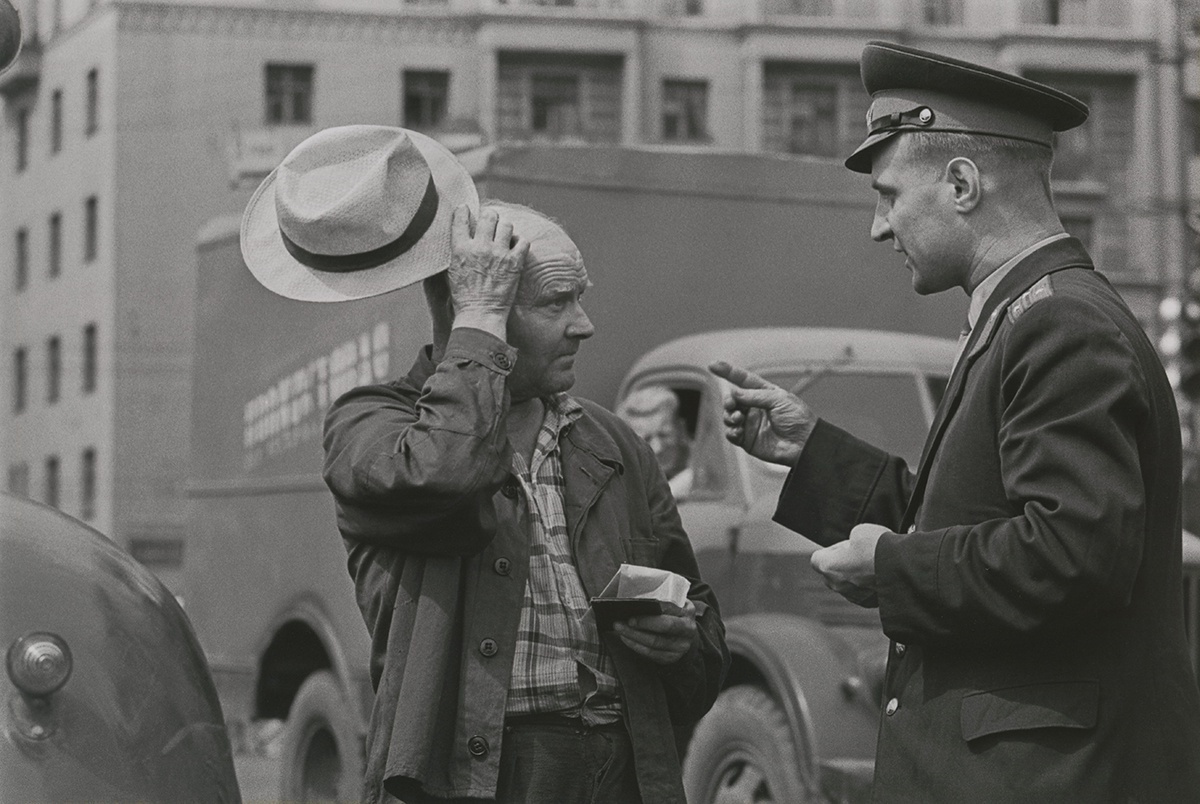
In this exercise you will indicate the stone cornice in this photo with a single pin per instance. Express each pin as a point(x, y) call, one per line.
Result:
point(430, 27)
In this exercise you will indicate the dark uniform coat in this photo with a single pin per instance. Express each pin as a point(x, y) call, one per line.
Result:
point(1032, 588)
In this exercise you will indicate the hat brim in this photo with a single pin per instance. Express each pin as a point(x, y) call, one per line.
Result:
point(860, 160)
point(279, 272)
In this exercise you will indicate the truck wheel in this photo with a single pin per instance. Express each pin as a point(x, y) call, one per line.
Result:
point(322, 758)
point(743, 751)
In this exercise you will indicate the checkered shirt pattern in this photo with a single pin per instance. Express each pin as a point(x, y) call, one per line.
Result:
point(561, 664)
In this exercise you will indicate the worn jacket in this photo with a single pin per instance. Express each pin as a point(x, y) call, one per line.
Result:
point(1032, 586)
point(437, 536)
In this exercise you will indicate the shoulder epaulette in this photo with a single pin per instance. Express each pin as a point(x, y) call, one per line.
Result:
point(1042, 289)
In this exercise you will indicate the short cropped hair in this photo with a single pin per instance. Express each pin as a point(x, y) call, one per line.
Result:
point(1000, 156)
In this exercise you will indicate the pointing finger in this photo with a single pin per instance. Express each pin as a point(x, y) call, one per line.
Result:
point(758, 398)
point(738, 376)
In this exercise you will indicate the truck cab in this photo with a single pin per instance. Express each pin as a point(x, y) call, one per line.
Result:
point(798, 717)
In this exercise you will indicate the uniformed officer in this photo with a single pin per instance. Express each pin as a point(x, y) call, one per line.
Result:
point(1028, 573)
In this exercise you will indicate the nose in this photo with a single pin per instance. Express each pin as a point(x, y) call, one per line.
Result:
point(580, 326)
point(880, 229)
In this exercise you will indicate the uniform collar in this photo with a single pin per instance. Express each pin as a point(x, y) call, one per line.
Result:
point(981, 294)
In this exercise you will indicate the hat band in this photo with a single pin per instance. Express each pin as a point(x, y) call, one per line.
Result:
point(360, 261)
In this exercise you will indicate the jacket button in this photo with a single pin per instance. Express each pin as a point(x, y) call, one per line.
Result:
point(509, 490)
point(502, 566)
point(478, 747)
point(912, 528)
point(900, 648)
point(501, 360)
point(488, 647)
point(892, 706)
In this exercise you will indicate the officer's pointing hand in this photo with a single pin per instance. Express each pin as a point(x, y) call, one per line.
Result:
point(762, 418)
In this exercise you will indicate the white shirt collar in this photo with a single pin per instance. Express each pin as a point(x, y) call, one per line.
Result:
point(985, 289)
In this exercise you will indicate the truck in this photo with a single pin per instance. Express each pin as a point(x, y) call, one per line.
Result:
point(768, 254)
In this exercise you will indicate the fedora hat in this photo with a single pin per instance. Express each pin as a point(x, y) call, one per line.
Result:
point(354, 211)
point(10, 35)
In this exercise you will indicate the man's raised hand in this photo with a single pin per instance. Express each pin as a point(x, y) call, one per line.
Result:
point(762, 418)
point(485, 268)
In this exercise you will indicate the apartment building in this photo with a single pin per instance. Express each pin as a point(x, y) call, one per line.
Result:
point(128, 123)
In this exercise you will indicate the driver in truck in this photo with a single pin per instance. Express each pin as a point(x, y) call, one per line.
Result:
point(480, 504)
point(653, 413)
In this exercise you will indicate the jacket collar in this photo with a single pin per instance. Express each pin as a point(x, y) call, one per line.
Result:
point(1056, 256)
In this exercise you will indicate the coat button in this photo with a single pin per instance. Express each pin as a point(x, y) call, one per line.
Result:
point(501, 360)
point(478, 747)
point(509, 490)
point(912, 528)
point(488, 647)
point(502, 566)
point(900, 648)
point(892, 706)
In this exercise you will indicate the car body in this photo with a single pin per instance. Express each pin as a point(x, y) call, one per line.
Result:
point(106, 694)
point(798, 718)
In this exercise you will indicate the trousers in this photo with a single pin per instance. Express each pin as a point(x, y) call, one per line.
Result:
point(567, 762)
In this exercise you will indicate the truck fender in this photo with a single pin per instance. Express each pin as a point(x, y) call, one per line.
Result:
point(309, 610)
point(814, 675)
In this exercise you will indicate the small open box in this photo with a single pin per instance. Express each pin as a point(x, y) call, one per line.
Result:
point(636, 591)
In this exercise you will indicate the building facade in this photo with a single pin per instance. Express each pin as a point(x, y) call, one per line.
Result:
point(127, 125)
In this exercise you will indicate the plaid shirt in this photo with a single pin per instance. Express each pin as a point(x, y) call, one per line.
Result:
point(561, 664)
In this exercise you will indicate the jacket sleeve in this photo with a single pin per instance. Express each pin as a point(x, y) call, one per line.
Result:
point(694, 681)
point(838, 482)
point(1074, 406)
point(414, 464)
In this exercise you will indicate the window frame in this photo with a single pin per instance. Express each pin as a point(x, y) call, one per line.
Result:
point(92, 119)
point(420, 84)
point(688, 89)
point(281, 88)
point(53, 369)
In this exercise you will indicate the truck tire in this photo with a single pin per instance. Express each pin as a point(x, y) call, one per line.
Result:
point(743, 751)
point(322, 749)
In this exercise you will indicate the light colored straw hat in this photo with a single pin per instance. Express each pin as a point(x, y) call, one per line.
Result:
point(355, 211)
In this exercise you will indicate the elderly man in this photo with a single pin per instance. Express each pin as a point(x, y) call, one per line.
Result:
point(508, 503)
point(1028, 573)
point(653, 413)
point(481, 505)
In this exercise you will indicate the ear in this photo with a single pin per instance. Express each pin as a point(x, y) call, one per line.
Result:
point(963, 174)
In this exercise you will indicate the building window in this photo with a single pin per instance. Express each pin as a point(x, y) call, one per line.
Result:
point(685, 111)
point(20, 378)
point(89, 358)
point(554, 105)
point(93, 102)
point(55, 244)
point(942, 12)
point(53, 368)
point(289, 94)
point(21, 280)
point(56, 121)
point(1056, 12)
point(554, 96)
point(426, 95)
point(90, 228)
point(18, 479)
point(22, 140)
point(815, 110)
point(87, 485)
point(51, 490)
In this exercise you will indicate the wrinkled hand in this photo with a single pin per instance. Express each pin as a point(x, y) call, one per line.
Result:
point(762, 418)
point(485, 269)
point(661, 638)
point(441, 313)
point(849, 567)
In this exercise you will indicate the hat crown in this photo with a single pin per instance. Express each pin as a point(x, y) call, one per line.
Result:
point(350, 189)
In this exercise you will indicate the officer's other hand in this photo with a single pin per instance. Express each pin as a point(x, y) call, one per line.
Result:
point(762, 418)
point(849, 567)
point(661, 638)
point(485, 268)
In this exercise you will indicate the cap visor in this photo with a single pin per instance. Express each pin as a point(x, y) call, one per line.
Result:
point(860, 160)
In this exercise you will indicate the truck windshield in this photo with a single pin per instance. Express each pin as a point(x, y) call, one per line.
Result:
point(882, 409)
